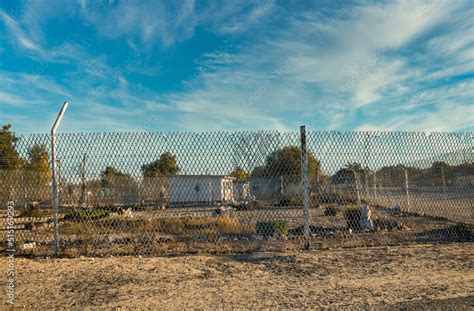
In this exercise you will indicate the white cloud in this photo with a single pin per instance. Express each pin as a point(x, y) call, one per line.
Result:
point(351, 62)
point(445, 108)
point(448, 117)
point(14, 100)
point(18, 35)
point(147, 20)
point(171, 22)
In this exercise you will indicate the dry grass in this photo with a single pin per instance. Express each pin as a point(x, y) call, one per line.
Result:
point(178, 231)
point(182, 225)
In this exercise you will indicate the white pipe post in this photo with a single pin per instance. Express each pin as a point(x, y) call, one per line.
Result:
point(444, 180)
point(375, 185)
point(366, 185)
point(356, 181)
point(55, 196)
point(407, 191)
point(281, 188)
point(304, 177)
point(210, 193)
point(406, 188)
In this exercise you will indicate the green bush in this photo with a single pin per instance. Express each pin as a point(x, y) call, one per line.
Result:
point(87, 214)
point(331, 210)
point(272, 227)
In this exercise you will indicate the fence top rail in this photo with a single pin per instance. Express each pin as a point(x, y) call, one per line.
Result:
point(237, 132)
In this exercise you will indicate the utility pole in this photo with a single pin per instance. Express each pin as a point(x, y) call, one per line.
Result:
point(25, 195)
point(374, 173)
point(366, 159)
point(356, 181)
point(442, 177)
point(281, 188)
point(366, 181)
point(83, 180)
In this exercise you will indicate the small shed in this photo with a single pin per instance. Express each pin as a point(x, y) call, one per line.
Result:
point(200, 189)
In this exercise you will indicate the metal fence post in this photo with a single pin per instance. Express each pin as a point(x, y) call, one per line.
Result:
point(304, 178)
point(55, 196)
point(407, 193)
point(406, 190)
point(444, 180)
point(356, 183)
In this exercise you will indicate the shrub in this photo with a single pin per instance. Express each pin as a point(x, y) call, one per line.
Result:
point(88, 214)
point(461, 232)
point(290, 201)
point(112, 208)
point(352, 215)
point(331, 210)
point(272, 227)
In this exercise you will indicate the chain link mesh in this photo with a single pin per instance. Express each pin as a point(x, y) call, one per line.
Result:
point(134, 193)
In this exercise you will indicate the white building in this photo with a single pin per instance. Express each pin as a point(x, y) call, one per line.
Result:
point(200, 189)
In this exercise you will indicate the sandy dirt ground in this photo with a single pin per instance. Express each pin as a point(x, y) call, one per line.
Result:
point(406, 277)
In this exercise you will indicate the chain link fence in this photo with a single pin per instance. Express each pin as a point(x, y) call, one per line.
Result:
point(158, 193)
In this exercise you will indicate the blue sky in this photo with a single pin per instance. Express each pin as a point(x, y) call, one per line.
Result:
point(237, 65)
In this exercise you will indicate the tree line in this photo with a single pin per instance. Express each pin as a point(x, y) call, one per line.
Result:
point(30, 175)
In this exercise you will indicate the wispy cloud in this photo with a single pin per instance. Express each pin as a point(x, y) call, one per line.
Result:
point(148, 21)
point(17, 34)
point(351, 61)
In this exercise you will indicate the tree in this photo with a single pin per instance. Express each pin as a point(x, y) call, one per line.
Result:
point(37, 173)
point(343, 176)
point(111, 177)
point(258, 171)
point(287, 162)
point(9, 157)
point(240, 174)
point(38, 162)
point(355, 167)
point(346, 174)
point(119, 185)
point(10, 165)
point(164, 166)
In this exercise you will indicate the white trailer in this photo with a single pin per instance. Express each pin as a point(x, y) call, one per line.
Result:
point(200, 189)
